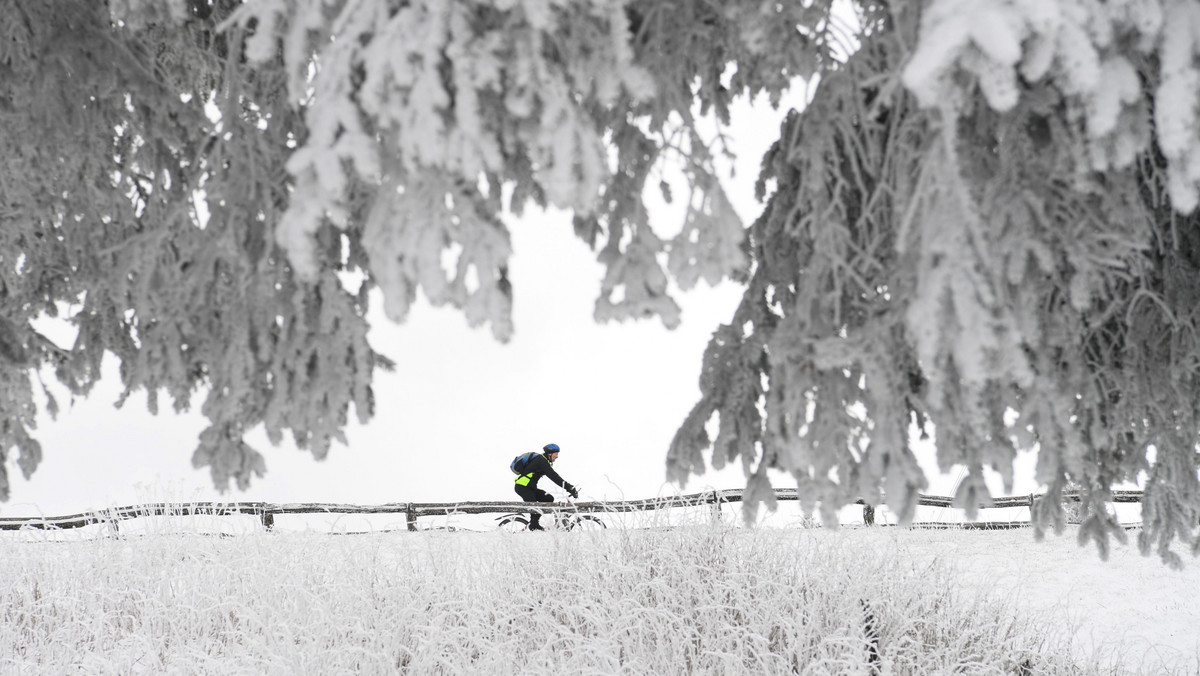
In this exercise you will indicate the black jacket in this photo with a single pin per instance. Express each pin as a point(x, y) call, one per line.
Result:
point(538, 467)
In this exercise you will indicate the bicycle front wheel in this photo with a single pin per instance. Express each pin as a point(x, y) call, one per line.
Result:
point(587, 522)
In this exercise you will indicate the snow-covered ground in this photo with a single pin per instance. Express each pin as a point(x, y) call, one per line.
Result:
point(1129, 614)
point(1132, 609)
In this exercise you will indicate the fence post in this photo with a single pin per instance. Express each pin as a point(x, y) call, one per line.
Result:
point(410, 516)
point(716, 508)
point(268, 519)
point(868, 514)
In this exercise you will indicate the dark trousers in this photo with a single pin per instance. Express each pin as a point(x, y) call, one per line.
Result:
point(533, 494)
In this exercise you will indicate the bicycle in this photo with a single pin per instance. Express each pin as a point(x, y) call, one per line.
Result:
point(519, 521)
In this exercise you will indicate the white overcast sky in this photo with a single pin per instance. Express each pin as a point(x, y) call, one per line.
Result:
point(459, 405)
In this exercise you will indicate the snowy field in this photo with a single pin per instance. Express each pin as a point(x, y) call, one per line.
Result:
point(690, 599)
point(1130, 610)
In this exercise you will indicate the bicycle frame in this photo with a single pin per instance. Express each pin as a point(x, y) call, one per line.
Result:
point(559, 520)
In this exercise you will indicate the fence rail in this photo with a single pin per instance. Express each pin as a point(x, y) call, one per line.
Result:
point(266, 511)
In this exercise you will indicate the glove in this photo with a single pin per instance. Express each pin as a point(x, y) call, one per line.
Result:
point(574, 492)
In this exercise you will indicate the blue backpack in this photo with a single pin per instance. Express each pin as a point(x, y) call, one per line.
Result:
point(519, 463)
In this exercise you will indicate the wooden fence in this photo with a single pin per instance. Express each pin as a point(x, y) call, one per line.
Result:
point(266, 512)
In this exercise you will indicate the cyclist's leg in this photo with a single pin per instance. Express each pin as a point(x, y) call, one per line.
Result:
point(531, 494)
point(535, 518)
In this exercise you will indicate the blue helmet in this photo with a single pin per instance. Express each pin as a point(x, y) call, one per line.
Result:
point(550, 448)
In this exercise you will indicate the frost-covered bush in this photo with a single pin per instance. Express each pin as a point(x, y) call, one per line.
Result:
point(686, 601)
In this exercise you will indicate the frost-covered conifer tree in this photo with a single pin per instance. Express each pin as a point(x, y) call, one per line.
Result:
point(983, 224)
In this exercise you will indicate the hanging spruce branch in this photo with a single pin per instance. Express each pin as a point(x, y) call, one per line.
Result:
point(188, 181)
point(982, 225)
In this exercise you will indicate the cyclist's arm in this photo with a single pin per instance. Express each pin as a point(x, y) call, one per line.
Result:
point(553, 476)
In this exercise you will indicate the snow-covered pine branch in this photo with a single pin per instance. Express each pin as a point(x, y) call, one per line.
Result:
point(976, 229)
point(189, 180)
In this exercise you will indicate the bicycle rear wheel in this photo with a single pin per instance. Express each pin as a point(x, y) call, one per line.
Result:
point(513, 523)
point(586, 522)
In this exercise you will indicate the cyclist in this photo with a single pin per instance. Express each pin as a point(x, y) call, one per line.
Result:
point(536, 468)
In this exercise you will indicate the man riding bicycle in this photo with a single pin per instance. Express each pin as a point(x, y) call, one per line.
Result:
point(537, 467)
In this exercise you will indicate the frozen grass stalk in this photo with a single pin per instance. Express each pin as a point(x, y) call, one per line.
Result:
point(691, 599)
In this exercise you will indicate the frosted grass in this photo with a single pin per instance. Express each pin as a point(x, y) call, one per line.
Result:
point(693, 600)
